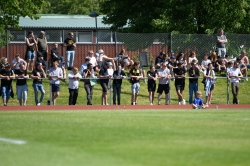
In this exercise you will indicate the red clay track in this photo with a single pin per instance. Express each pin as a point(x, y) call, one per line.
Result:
point(116, 107)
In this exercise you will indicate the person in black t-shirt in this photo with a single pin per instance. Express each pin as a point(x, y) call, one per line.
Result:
point(70, 43)
point(55, 56)
point(152, 77)
point(194, 74)
point(104, 80)
point(37, 75)
point(21, 85)
point(31, 47)
point(118, 76)
point(180, 74)
point(6, 76)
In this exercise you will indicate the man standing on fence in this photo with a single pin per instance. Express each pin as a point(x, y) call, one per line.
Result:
point(70, 43)
point(221, 44)
point(235, 75)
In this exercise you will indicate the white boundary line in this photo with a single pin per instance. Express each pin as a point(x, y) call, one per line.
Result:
point(12, 141)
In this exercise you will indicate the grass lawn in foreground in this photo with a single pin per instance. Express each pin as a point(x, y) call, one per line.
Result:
point(126, 137)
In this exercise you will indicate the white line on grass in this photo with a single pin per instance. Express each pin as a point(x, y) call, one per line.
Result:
point(12, 141)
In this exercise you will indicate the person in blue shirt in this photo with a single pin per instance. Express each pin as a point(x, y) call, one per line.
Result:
point(198, 103)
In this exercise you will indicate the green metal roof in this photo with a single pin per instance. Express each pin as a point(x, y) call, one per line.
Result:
point(55, 21)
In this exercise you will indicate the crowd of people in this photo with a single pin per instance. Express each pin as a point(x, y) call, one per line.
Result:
point(99, 68)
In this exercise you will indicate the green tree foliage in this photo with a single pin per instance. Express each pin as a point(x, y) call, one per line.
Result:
point(183, 16)
point(72, 6)
point(12, 10)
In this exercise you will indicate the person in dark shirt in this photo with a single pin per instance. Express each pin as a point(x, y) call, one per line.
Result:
point(55, 56)
point(31, 47)
point(37, 75)
point(41, 60)
point(194, 74)
point(70, 43)
point(152, 77)
point(104, 80)
point(180, 74)
point(159, 59)
point(135, 75)
point(117, 83)
point(88, 73)
point(21, 85)
point(6, 76)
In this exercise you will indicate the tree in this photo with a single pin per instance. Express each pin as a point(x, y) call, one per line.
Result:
point(12, 10)
point(196, 16)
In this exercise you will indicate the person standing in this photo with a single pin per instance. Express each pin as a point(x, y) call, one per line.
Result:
point(118, 75)
point(221, 44)
point(180, 74)
point(70, 43)
point(135, 75)
point(74, 78)
point(194, 74)
point(104, 80)
point(30, 52)
point(88, 73)
point(164, 75)
point(21, 85)
point(6, 76)
point(235, 75)
point(42, 46)
point(37, 75)
point(209, 75)
point(152, 77)
point(55, 74)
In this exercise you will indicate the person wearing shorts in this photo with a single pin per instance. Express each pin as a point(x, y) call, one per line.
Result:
point(30, 52)
point(152, 77)
point(104, 81)
point(135, 75)
point(55, 74)
point(163, 74)
point(180, 74)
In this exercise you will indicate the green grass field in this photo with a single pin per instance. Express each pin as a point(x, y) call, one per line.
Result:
point(126, 138)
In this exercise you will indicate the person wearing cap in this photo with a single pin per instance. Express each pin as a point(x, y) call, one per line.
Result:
point(163, 74)
point(30, 52)
point(102, 58)
point(42, 45)
point(6, 76)
point(21, 85)
point(93, 60)
point(135, 75)
point(37, 75)
point(17, 61)
point(180, 74)
point(70, 44)
point(41, 60)
point(74, 78)
point(104, 80)
point(221, 43)
point(88, 73)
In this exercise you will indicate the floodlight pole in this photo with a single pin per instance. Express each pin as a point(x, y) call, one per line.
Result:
point(95, 14)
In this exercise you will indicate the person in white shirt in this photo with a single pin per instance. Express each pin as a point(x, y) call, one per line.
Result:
point(235, 75)
point(17, 62)
point(205, 62)
point(55, 74)
point(93, 60)
point(74, 78)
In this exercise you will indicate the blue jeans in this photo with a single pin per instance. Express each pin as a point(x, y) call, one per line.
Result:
point(117, 92)
point(41, 89)
point(31, 55)
point(21, 91)
point(70, 58)
point(193, 88)
point(6, 91)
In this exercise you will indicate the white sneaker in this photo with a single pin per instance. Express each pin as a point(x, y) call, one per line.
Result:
point(151, 103)
point(179, 103)
point(183, 102)
point(246, 79)
point(133, 103)
point(38, 104)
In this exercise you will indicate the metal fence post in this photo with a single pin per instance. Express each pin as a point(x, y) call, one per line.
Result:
point(227, 91)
